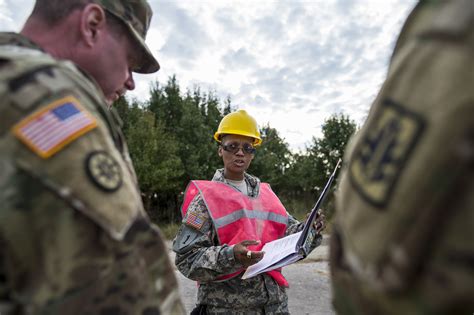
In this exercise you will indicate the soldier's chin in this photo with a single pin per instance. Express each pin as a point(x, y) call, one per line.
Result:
point(110, 101)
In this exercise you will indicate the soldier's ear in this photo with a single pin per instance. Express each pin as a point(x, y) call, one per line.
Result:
point(93, 23)
point(219, 151)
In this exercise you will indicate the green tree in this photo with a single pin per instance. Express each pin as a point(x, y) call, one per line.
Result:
point(154, 155)
point(213, 114)
point(170, 138)
point(228, 108)
point(325, 152)
point(197, 149)
point(272, 159)
point(299, 176)
point(190, 120)
point(166, 103)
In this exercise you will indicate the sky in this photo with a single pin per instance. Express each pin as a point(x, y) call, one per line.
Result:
point(291, 64)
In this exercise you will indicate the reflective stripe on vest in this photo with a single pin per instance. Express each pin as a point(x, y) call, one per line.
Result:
point(238, 217)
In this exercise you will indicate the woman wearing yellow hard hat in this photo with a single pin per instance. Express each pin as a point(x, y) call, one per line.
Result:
point(239, 123)
point(226, 222)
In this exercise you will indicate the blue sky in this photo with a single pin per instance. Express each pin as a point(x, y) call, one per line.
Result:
point(288, 63)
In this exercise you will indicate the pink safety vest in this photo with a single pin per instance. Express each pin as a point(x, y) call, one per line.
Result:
point(238, 217)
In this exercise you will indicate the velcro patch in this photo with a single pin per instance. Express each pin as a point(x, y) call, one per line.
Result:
point(104, 171)
point(195, 220)
point(49, 130)
point(383, 151)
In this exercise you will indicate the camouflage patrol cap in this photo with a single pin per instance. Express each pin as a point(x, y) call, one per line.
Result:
point(136, 14)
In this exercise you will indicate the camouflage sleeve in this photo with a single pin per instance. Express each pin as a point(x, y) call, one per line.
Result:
point(5, 305)
point(294, 225)
point(402, 238)
point(75, 237)
point(199, 256)
point(63, 252)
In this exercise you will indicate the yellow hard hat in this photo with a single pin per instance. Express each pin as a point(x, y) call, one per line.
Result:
point(239, 123)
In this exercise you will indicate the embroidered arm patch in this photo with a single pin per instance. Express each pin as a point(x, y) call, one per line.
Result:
point(195, 219)
point(383, 152)
point(104, 171)
point(50, 129)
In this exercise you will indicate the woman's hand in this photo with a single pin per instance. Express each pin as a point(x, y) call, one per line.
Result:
point(319, 223)
point(245, 256)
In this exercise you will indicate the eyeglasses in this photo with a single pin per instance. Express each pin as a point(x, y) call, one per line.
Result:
point(234, 148)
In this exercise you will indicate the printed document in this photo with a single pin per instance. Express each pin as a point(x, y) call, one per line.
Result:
point(278, 253)
point(294, 247)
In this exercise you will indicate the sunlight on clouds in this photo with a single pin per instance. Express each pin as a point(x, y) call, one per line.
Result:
point(13, 14)
point(291, 64)
point(6, 18)
point(294, 126)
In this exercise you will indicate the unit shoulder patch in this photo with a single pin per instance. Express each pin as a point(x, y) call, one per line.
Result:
point(51, 128)
point(104, 171)
point(383, 151)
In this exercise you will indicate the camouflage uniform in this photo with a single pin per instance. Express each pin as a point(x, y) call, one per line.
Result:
point(74, 236)
point(403, 241)
point(203, 259)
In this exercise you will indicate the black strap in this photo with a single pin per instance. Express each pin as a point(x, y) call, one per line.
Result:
point(200, 309)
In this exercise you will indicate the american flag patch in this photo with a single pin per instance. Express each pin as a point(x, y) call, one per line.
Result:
point(195, 220)
point(47, 131)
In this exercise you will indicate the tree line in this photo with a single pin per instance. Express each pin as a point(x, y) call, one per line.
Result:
point(170, 142)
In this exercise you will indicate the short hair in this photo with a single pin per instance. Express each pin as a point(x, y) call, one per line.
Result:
point(53, 11)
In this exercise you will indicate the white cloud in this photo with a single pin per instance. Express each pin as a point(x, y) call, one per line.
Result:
point(14, 13)
point(6, 20)
point(289, 63)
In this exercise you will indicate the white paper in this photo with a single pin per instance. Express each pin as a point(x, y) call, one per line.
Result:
point(278, 253)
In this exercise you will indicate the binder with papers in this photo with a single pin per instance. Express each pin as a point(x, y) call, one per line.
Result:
point(294, 247)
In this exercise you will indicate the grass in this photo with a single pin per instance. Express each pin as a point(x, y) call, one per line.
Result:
point(170, 230)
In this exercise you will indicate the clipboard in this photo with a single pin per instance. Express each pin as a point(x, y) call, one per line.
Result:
point(294, 247)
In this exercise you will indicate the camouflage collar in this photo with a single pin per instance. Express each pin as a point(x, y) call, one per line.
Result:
point(16, 39)
point(252, 181)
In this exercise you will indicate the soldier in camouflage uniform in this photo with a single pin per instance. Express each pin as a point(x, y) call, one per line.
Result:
point(403, 239)
point(74, 236)
point(201, 255)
